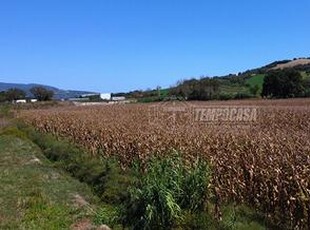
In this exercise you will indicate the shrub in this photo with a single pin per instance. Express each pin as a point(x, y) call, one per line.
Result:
point(108, 215)
point(243, 95)
point(168, 187)
point(5, 111)
point(13, 131)
point(225, 96)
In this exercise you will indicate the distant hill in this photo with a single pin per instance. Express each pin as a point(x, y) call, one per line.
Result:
point(58, 93)
point(232, 86)
point(302, 62)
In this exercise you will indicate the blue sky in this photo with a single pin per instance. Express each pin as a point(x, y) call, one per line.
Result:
point(121, 45)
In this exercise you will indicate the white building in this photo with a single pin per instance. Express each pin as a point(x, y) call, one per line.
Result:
point(89, 95)
point(105, 96)
point(118, 98)
point(21, 101)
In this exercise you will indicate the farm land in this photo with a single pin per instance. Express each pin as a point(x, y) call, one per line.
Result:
point(264, 163)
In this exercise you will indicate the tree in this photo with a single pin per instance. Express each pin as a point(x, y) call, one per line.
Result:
point(14, 94)
point(283, 84)
point(3, 96)
point(193, 89)
point(41, 93)
point(254, 90)
point(205, 89)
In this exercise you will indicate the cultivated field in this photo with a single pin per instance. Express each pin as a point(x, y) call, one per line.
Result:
point(259, 150)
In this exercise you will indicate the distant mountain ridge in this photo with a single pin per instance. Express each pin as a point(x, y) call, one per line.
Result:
point(58, 93)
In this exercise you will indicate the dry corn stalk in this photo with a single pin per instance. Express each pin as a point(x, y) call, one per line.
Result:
point(266, 165)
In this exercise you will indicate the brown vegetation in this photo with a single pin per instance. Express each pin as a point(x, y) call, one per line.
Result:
point(294, 63)
point(265, 163)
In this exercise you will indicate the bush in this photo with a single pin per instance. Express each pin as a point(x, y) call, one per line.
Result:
point(108, 215)
point(306, 93)
point(13, 131)
point(150, 99)
point(168, 188)
point(225, 96)
point(243, 96)
point(5, 111)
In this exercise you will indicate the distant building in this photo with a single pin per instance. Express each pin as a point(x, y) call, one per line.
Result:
point(90, 95)
point(79, 99)
point(99, 97)
point(105, 96)
point(20, 101)
point(118, 98)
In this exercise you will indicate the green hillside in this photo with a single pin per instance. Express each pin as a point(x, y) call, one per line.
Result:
point(247, 84)
point(257, 79)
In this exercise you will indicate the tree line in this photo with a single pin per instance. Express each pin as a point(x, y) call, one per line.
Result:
point(193, 89)
point(286, 83)
point(38, 92)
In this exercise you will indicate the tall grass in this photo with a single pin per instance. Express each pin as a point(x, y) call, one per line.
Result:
point(165, 191)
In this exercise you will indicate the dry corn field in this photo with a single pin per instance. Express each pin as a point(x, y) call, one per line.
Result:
point(264, 162)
